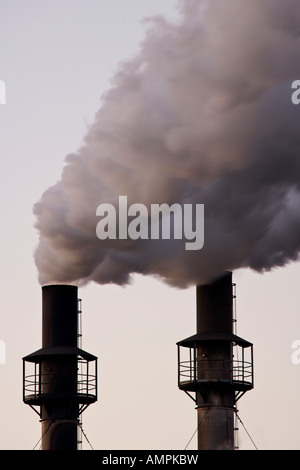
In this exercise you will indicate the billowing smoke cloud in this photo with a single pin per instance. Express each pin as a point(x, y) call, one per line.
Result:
point(202, 114)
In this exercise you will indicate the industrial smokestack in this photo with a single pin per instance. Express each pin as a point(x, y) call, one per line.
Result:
point(62, 383)
point(216, 370)
point(59, 416)
point(59, 316)
point(215, 403)
point(215, 306)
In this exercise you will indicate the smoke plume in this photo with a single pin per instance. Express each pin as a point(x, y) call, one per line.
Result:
point(202, 114)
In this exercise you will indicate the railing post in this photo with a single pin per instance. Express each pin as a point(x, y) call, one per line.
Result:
point(40, 381)
point(24, 380)
point(87, 378)
point(35, 380)
point(96, 377)
point(178, 365)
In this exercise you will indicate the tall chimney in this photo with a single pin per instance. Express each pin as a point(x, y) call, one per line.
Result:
point(61, 382)
point(215, 369)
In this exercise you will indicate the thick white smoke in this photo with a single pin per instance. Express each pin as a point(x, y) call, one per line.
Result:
point(202, 114)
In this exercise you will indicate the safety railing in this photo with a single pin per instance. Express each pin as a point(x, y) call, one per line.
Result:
point(197, 368)
point(235, 371)
point(37, 384)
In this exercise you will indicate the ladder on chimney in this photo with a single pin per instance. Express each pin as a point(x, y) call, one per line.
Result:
point(79, 323)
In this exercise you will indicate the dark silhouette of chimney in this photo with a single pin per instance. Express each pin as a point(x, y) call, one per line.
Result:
point(216, 368)
point(62, 381)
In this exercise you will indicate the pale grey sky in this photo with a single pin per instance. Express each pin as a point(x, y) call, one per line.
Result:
point(56, 58)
